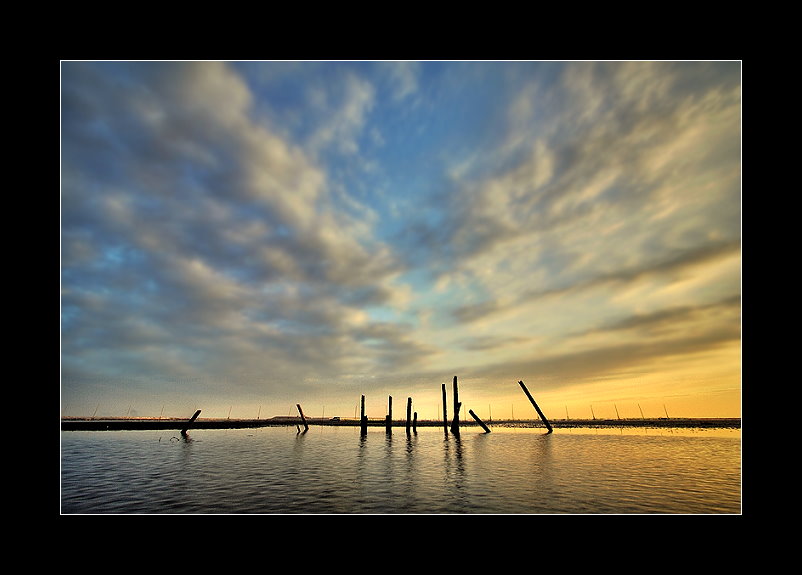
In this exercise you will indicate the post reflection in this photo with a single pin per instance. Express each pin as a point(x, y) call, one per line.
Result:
point(455, 473)
point(541, 467)
point(411, 479)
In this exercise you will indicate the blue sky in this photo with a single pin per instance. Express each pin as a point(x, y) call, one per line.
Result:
point(239, 237)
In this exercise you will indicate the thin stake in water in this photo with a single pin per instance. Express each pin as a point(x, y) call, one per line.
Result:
point(303, 419)
point(445, 411)
point(186, 427)
point(363, 420)
point(540, 413)
point(479, 421)
point(457, 405)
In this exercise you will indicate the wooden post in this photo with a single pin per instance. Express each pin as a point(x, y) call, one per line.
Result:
point(191, 419)
point(540, 413)
point(409, 413)
point(445, 411)
point(388, 422)
point(303, 419)
point(479, 421)
point(415, 422)
point(363, 421)
point(455, 423)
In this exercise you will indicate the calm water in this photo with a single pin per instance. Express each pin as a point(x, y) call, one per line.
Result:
point(335, 471)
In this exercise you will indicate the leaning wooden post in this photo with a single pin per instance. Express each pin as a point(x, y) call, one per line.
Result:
point(479, 421)
point(409, 413)
point(455, 423)
point(303, 419)
point(191, 419)
point(388, 421)
point(363, 421)
point(445, 411)
point(540, 413)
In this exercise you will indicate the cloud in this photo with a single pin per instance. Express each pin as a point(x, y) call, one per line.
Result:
point(610, 168)
point(342, 111)
point(404, 78)
point(196, 239)
point(674, 267)
point(623, 361)
point(612, 196)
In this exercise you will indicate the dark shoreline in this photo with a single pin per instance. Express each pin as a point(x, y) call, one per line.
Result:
point(133, 424)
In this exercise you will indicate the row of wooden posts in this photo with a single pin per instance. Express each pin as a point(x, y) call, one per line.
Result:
point(412, 421)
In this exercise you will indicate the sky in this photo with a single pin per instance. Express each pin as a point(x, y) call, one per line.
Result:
point(242, 237)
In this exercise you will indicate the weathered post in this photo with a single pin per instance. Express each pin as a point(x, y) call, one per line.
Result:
point(540, 413)
point(445, 411)
point(409, 413)
point(303, 419)
point(479, 421)
point(415, 422)
point(363, 421)
point(191, 419)
point(388, 421)
point(455, 423)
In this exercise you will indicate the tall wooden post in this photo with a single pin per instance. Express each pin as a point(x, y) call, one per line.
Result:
point(540, 413)
point(388, 424)
point(409, 413)
point(303, 419)
point(455, 423)
point(445, 410)
point(363, 420)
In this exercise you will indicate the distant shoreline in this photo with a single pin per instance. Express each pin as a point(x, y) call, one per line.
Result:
point(135, 423)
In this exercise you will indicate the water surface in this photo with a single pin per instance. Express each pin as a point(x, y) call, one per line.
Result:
point(334, 470)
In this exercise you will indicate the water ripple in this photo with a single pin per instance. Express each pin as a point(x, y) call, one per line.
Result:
point(277, 471)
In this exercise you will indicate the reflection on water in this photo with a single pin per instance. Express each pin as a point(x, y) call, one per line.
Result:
point(335, 470)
